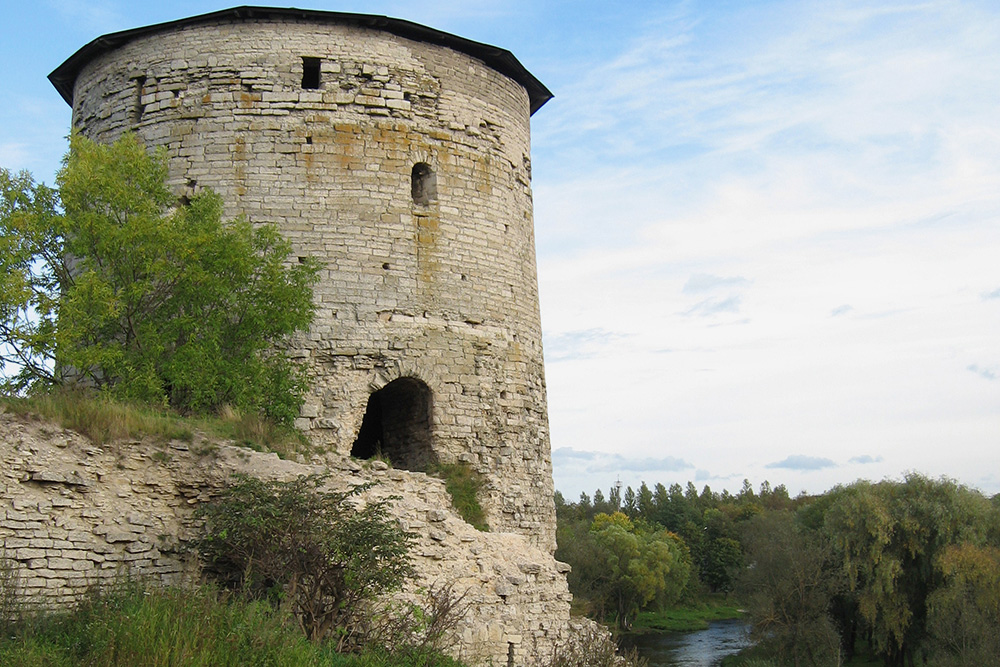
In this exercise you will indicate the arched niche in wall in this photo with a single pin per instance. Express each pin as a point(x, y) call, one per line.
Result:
point(397, 425)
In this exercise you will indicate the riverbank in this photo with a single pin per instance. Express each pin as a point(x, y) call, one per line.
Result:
point(758, 657)
point(687, 618)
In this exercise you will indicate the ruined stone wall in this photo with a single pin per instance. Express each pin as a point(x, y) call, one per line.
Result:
point(433, 280)
point(74, 514)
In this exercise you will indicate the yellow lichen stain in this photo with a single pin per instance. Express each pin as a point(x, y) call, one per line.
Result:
point(309, 160)
point(427, 232)
point(247, 100)
point(311, 151)
point(483, 173)
point(240, 165)
point(207, 98)
point(515, 353)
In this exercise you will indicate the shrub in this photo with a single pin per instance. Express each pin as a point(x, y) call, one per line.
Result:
point(325, 554)
point(594, 646)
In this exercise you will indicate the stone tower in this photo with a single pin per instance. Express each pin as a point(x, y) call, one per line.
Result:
point(398, 156)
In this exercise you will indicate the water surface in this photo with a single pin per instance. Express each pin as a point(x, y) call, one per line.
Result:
point(703, 648)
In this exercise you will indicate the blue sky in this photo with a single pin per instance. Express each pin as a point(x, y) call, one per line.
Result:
point(768, 233)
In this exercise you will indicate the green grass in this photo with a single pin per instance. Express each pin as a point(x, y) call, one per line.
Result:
point(687, 618)
point(257, 433)
point(101, 420)
point(463, 485)
point(104, 421)
point(138, 626)
point(134, 626)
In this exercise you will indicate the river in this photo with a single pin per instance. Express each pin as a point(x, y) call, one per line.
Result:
point(704, 648)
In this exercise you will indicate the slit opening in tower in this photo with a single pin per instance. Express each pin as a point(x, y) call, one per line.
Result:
point(423, 184)
point(397, 426)
point(137, 106)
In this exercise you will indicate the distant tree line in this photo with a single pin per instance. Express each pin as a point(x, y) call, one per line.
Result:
point(908, 571)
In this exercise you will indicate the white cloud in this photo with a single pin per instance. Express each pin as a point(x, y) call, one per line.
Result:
point(840, 162)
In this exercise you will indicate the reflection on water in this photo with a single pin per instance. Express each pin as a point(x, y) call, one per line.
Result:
point(704, 648)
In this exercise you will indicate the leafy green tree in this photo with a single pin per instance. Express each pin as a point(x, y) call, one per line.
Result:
point(721, 559)
point(600, 504)
point(633, 566)
point(787, 590)
point(645, 503)
point(314, 548)
point(32, 271)
point(615, 497)
point(964, 613)
point(887, 538)
point(144, 297)
point(630, 503)
point(674, 510)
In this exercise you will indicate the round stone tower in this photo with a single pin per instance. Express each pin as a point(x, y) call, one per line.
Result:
point(397, 156)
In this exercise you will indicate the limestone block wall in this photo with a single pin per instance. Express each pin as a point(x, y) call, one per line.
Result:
point(74, 514)
point(403, 166)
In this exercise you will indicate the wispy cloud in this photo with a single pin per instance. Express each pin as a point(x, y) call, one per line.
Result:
point(709, 307)
point(995, 294)
point(703, 282)
point(603, 462)
point(866, 459)
point(987, 373)
point(581, 344)
point(802, 462)
point(568, 453)
point(841, 310)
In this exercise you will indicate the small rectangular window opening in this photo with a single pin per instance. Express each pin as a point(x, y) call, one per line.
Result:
point(137, 106)
point(310, 72)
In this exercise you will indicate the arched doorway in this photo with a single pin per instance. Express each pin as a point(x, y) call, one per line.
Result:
point(397, 426)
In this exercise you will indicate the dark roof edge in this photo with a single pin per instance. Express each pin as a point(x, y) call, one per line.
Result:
point(501, 60)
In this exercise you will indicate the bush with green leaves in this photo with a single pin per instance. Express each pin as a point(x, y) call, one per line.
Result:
point(324, 554)
point(623, 566)
point(111, 282)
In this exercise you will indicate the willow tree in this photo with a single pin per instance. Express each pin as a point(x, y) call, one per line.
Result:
point(889, 539)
